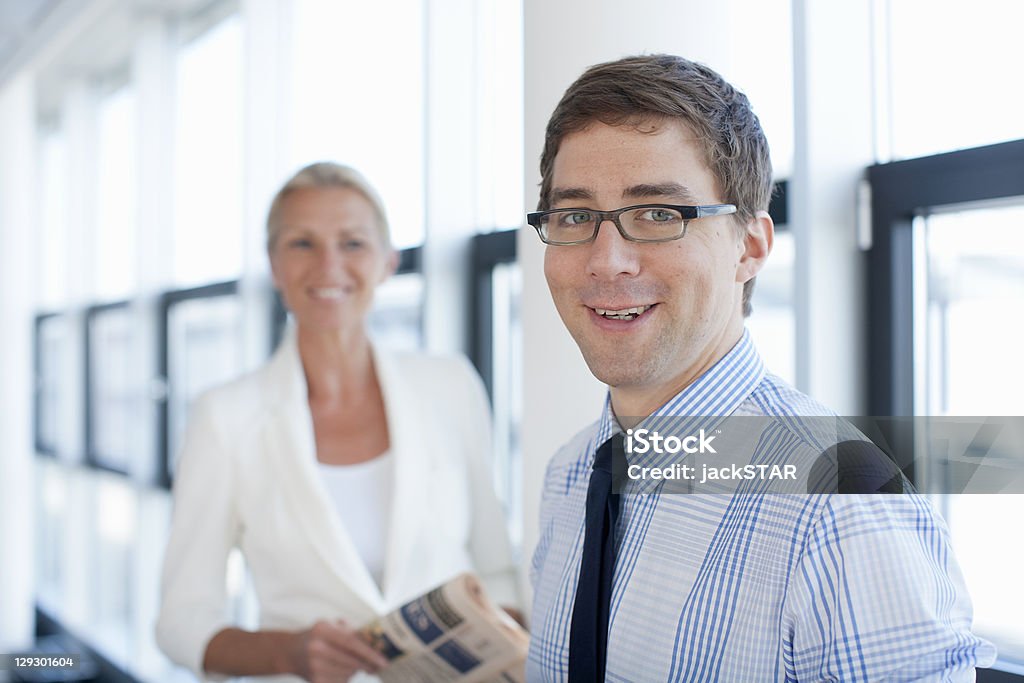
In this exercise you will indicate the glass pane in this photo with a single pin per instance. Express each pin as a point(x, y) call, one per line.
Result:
point(117, 392)
point(208, 171)
point(951, 73)
point(507, 392)
point(112, 568)
point(51, 508)
point(500, 111)
point(357, 97)
point(972, 263)
point(59, 409)
point(116, 200)
point(396, 320)
point(773, 323)
point(205, 349)
point(53, 238)
point(975, 286)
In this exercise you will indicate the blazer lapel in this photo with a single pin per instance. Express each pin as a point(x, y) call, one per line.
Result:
point(407, 431)
point(290, 444)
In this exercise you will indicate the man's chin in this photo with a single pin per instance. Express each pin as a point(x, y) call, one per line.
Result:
point(615, 372)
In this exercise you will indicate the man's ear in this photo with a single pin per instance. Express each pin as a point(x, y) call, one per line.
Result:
point(758, 237)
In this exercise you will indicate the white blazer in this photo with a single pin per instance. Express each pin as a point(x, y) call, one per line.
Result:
point(247, 477)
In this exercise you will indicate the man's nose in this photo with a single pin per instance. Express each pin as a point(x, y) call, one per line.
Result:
point(611, 255)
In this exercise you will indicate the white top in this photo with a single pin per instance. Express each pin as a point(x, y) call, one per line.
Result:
point(361, 495)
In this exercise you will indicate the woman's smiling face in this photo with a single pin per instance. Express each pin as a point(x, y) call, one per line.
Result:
point(328, 256)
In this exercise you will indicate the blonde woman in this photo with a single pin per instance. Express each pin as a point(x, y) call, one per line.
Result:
point(351, 478)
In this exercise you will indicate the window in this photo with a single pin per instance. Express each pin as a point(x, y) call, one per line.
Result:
point(951, 76)
point(357, 97)
point(111, 571)
point(507, 392)
point(57, 365)
point(51, 509)
point(116, 197)
point(973, 276)
point(496, 351)
point(53, 242)
point(208, 169)
point(946, 279)
point(204, 348)
point(116, 434)
point(500, 114)
point(396, 320)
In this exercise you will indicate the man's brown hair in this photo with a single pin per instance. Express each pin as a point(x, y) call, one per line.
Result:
point(644, 89)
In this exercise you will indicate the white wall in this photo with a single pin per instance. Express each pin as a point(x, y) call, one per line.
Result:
point(834, 109)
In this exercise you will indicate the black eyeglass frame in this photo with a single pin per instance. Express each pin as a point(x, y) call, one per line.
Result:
point(688, 212)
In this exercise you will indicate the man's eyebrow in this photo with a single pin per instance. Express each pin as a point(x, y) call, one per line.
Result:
point(560, 194)
point(648, 190)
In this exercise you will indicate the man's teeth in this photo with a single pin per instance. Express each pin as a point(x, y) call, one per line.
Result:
point(624, 314)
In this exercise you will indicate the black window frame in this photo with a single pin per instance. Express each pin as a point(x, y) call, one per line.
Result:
point(487, 251)
point(93, 457)
point(42, 447)
point(167, 302)
point(901, 191)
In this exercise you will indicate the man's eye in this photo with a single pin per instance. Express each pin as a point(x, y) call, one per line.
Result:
point(660, 216)
point(575, 218)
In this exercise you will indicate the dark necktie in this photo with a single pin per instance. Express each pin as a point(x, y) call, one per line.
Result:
point(588, 633)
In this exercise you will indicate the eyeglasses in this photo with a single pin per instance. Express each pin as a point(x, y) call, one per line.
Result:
point(640, 223)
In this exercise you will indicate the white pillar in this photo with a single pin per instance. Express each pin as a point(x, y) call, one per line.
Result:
point(17, 233)
point(560, 396)
point(833, 143)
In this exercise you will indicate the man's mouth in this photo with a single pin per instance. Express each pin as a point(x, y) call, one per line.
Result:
point(624, 313)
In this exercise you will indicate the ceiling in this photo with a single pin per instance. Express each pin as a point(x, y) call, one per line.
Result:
point(101, 34)
point(20, 23)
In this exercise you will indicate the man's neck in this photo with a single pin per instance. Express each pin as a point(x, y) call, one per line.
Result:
point(631, 404)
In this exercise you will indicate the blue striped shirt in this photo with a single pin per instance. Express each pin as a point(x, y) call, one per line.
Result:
point(747, 587)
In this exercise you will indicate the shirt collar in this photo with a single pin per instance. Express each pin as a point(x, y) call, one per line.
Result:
point(718, 392)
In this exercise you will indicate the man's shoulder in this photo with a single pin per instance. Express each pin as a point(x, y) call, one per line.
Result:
point(775, 397)
point(809, 421)
point(576, 448)
point(841, 458)
point(570, 464)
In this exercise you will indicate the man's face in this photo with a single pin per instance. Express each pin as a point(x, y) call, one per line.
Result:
point(688, 290)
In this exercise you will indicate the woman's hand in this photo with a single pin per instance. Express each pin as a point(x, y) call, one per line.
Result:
point(330, 652)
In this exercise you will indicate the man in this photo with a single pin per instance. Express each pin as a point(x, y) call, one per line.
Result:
point(633, 583)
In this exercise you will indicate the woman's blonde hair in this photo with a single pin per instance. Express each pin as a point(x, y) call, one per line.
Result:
point(325, 175)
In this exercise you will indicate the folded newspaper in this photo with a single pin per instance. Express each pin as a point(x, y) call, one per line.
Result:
point(453, 633)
